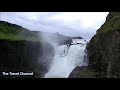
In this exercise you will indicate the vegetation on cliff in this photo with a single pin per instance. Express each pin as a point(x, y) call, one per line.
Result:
point(22, 50)
point(104, 48)
point(103, 51)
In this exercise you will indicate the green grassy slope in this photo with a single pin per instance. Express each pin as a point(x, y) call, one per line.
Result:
point(112, 23)
point(15, 32)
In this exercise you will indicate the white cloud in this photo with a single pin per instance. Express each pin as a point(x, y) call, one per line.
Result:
point(84, 19)
point(84, 24)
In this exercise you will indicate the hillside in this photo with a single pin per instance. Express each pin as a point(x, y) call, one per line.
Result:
point(15, 32)
point(11, 31)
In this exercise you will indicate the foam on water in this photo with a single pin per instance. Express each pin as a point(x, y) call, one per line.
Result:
point(67, 57)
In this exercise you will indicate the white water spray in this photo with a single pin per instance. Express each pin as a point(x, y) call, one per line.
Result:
point(66, 58)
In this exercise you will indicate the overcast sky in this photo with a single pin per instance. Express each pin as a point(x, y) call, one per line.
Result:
point(84, 24)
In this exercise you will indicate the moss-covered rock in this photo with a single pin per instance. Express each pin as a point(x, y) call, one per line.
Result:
point(82, 72)
point(104, 48)
point(103, 51)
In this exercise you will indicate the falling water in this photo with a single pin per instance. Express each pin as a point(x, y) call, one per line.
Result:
point(67, 57)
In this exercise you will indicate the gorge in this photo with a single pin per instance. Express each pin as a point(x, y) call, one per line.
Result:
point(22, 50)
point(54, 55)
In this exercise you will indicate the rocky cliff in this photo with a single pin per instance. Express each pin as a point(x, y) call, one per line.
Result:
point(82, 72)
point(26, 56)
point(104, 49)
point(22, 50)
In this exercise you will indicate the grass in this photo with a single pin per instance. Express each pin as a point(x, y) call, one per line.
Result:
point(17, 37)
point(15, 32)
point(111, 24)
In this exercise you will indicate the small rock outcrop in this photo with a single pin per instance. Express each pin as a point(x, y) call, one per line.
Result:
point(82, 72)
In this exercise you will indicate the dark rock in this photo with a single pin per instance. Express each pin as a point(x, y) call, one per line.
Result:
point(16, 56)
point(27, 51)
point(82, 72)
point(104, 48)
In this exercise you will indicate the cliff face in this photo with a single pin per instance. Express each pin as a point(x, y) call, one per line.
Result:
point(26, 56)
point(103, 51)
point(22, 50)
point(104, 48)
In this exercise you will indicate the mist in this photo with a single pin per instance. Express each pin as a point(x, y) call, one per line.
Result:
point(57, 56)
point(82, 24)
point(66, 58)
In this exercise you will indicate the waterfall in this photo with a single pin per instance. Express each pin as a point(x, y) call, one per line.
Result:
point(66, 58)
